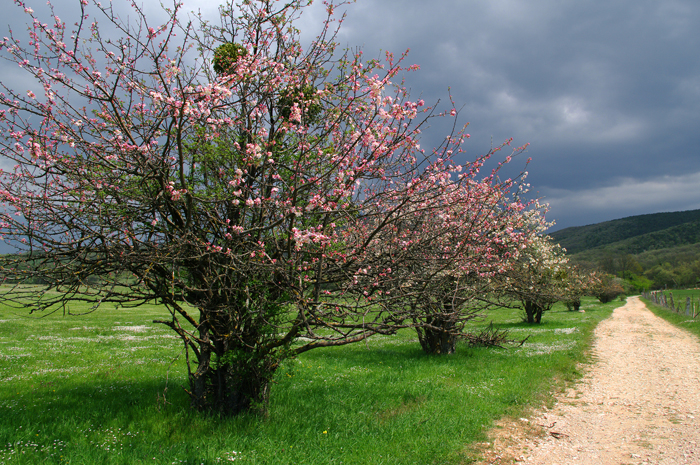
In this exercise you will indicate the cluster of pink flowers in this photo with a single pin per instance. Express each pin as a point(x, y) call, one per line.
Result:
point(333, 181)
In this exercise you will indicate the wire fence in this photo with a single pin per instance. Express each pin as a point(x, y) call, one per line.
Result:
point(663, 299)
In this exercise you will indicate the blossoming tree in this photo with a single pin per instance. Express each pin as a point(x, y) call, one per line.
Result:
point(450, 247)
point(247, 184)
point(578, 282)
point(605, 287)
point(539, 276)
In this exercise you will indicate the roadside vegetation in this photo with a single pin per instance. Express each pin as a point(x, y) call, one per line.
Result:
point(108, 388)
point(679, 319)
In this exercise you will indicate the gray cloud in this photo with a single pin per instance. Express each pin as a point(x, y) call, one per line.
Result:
point(606, 93)
point(627, 197)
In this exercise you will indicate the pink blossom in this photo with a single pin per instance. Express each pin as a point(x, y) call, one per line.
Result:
point(295, 113)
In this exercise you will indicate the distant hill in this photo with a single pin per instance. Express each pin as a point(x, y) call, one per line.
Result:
point(634, 234)
point(656, 250)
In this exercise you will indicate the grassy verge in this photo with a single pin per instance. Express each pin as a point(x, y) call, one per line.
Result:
point(107, 388)
point(679, 319)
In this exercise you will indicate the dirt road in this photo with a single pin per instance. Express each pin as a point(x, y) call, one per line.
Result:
point(639, 403)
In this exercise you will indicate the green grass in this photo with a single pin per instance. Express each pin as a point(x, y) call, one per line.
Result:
point(92, 389)
point(694, 294)
point(679, 319)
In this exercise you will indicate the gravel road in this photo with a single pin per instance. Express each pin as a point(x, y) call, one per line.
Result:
point(639, 403)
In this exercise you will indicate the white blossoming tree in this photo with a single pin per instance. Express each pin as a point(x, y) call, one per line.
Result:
point(538, 278)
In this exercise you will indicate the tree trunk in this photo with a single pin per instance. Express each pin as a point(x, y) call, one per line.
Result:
point(533, 312)
point(438, 341)
point(538, 314)
point(232, 375)
point(231, 388)
point(573, 305)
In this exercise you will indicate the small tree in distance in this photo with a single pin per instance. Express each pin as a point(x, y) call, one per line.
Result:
point(606, 287)
point(272, 196)
point(577, 283)
point(471, 235)
point(538, 277)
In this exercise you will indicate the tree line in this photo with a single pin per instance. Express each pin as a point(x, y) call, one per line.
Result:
point(275, 199)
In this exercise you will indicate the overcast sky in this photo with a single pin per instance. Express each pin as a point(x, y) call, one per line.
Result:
point(607, 94)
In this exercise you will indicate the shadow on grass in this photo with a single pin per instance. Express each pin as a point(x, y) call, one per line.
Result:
point(116, 422)
point(345, 403)
point(93, 401)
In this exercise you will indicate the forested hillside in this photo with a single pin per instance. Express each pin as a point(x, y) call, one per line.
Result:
point(582, 238)
point(651, 251)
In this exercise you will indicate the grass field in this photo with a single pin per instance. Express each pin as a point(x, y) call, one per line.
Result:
point(107, 388)
point(679, 319)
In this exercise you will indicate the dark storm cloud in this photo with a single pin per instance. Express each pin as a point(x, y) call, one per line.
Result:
point(606, 93)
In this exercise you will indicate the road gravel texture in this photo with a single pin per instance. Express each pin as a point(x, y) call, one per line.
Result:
point(639, 402)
